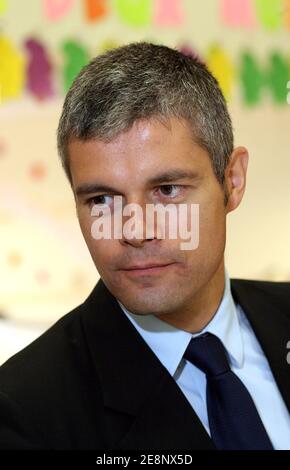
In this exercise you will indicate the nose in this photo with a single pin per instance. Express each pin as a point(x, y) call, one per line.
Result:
point(137, 229)
point(136, 243)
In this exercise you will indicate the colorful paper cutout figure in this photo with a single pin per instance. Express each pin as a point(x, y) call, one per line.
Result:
point(14, 259)
point(107, 45)
point(75, 58)
point(269, 13)
point(238, 13)
point(39, 70)
point(37, 171)
point(188, 50)
point(95, 9)
point(56, 9)
point(277, 76)
point(78, 279)
point(134, 12)
point(168, 13)
point(2, 148)
point(221, 66)
point(288, 92)
point(42, 276)
point(12, 70)
point(252, 79)
point(287, 14)
point(3, 7)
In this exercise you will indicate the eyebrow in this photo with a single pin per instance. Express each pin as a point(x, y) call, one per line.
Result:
point(167, 177)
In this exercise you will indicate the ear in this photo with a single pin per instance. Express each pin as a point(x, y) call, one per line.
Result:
point(235, 177)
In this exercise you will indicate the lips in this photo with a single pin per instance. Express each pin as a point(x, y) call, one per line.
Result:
point(148, 269)
point(146, 266)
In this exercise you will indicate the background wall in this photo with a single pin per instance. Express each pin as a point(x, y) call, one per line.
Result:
point(45, 268)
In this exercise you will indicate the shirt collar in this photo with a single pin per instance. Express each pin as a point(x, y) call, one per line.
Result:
point(169, 343)
point(225, 325)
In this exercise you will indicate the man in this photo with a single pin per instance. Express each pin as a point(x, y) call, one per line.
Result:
point(167, 352)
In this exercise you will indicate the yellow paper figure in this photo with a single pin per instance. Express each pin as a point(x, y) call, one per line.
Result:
point(221, 66)
point(134, 12)
point(3, 6)
point(269, 13)
point(107, 45)
point(12, 70)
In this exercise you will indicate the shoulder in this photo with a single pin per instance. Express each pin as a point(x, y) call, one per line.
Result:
point(43, 383)
point(43, 351)
point(274, 287)
point(276, 293)
point(37, 373)
point(58, 360)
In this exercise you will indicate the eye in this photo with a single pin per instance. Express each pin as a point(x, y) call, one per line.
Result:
point(171, 190)
point(100, 200)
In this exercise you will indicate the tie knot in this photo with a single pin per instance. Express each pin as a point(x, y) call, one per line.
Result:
point(208, 354)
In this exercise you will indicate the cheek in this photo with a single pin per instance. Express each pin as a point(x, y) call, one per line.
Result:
point(85, 226)
point(96, 247)
point(212, 227)
point(103, 253)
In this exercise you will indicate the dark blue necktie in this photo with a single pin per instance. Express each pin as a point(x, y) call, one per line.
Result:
point(233, 419)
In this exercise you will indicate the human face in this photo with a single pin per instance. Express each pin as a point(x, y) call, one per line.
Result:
point(128, 165)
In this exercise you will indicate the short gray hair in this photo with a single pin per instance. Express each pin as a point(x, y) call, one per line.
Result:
point(142, 81)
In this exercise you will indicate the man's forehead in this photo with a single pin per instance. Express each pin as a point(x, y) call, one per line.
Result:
point(129, 156)
point(151, 131)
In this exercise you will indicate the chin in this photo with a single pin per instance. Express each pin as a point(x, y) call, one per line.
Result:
point(149, 305)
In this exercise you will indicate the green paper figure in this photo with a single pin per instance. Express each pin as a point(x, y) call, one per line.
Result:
point(252, 79)
point(76, 57)
point(277, 77)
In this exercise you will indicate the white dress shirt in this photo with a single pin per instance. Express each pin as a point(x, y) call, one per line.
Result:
point(245, 355)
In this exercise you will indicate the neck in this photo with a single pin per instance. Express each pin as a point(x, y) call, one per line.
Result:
point(196, 316)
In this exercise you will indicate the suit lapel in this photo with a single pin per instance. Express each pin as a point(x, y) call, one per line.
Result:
point(145, 407)
point(267, 314)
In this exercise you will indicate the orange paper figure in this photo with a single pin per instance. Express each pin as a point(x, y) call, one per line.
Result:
point(287, 14)
point(95, 9)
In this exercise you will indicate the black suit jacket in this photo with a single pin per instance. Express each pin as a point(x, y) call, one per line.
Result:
point(91, 381)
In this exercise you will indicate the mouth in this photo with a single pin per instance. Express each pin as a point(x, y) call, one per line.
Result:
point(148, 270)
